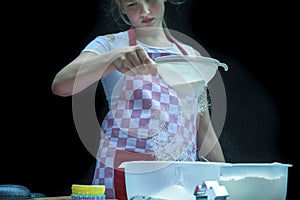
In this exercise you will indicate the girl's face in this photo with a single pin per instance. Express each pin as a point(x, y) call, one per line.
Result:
point(143, 13)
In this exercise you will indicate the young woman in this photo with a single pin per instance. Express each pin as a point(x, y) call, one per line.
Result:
point(143, 115)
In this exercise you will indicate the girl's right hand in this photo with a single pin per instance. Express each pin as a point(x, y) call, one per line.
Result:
point(135, 61)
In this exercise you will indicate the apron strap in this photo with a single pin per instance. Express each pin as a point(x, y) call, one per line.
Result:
point(177, 44)
point(132, 36)
point(132, 40)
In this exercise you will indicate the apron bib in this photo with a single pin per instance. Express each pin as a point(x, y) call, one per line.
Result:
point(147, 119)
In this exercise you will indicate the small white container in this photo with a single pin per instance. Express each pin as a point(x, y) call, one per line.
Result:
point(255, 181)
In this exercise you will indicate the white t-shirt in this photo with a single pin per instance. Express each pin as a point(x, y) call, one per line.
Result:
point(103, 44)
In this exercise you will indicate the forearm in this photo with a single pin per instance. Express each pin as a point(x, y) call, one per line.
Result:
point(89, 67)
point(215, 154)
point(209, 146)
point(207, 140)
point(81, 73)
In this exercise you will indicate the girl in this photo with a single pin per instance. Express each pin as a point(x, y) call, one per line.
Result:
point(141, 118)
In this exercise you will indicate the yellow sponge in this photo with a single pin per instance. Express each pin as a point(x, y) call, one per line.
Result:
point(90, 190)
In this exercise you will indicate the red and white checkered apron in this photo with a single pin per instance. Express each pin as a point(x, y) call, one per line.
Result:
point(147, 118)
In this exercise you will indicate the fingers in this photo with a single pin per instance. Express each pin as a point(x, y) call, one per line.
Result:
point(135, 62)
point(143, 56)
point(147, 65)
point(123, 65)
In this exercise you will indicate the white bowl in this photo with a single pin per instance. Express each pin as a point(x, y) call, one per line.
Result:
point(255, 181)
point(174, 180)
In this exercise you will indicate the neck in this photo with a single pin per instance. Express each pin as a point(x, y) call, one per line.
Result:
point(153, 36)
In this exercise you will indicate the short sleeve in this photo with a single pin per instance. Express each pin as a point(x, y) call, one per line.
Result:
point(99, 45)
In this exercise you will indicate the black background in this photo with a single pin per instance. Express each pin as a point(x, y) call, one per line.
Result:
point(39, 144)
